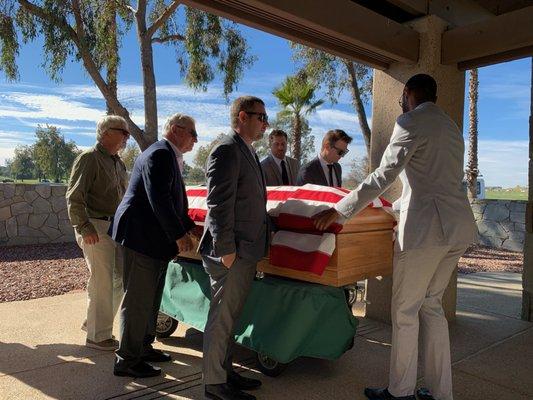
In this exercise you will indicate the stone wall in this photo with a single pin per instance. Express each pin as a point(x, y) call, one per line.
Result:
point(31, 214)
point(501, 223)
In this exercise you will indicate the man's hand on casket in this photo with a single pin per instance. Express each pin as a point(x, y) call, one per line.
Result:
point(184, 243)
point(325, 218)
point(228, 259)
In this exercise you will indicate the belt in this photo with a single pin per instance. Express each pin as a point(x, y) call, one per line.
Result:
point(103, 218)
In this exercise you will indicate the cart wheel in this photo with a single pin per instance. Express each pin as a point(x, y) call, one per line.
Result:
point(165, 325)
point(269, 366)
point(351, 295)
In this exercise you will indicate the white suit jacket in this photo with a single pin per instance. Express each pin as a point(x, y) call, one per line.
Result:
point(427, 151)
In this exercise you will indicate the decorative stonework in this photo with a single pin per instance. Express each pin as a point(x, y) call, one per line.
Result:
point(32, 214)
point(501, 223)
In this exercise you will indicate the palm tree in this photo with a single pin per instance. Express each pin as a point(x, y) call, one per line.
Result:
point(296, 95)
point(472, 170)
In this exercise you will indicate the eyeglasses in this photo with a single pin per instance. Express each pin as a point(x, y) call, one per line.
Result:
point(340, 152)
point(260, 116)
point(193, 132)
point(123, 131)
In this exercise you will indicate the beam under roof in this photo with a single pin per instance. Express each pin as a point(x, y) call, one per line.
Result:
point(340, 27)
point(502, 38)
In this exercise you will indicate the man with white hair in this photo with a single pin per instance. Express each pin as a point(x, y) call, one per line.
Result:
point(97, 183)
point(152, 225)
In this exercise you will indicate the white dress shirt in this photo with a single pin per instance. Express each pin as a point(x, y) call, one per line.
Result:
point(325, 168)
point(178, 153)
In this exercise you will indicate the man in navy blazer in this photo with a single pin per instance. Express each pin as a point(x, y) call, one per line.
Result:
point(152, 225)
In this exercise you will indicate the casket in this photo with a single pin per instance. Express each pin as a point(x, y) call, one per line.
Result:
point(363, 250)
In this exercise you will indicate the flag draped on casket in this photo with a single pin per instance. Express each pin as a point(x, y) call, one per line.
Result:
point(296, 243)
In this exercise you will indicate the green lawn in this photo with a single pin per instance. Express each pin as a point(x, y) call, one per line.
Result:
point(503, 195)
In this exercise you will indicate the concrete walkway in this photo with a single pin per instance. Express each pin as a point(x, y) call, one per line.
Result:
point(42, 355)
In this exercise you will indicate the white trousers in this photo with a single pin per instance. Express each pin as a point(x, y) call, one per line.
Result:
point(419, 279)
point(104, 288)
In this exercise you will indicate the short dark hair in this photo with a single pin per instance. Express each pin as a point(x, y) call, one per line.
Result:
point(243, 103)
point(334, 135)
point(424, 87)
point(277, 133)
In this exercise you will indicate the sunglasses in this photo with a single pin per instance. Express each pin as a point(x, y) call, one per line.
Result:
point(341, 152)
point(193, 132)
point(123, 131)
point(260, 116)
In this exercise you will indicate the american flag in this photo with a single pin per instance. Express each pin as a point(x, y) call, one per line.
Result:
point(296, 243)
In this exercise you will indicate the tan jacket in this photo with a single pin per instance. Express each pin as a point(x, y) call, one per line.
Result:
point(427, 151)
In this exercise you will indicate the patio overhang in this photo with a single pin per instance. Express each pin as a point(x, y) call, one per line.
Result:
point(340, 27)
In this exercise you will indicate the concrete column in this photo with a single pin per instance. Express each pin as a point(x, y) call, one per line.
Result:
point(387, 90)
point(527, 272)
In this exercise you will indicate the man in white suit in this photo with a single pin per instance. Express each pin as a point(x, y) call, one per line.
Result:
point(436, 226)
point(279, 169)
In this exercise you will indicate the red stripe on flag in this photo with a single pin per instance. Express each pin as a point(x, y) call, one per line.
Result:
point(304, 194)
point(287, 257)
point(298, 223)
point(196, 192)
point(279, 194)
point(197, 214)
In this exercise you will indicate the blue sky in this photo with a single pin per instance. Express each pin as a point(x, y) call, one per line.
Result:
point(75, 104)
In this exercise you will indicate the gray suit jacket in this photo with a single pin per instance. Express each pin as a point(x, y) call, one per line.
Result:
point(236, 220)
point(273, 173)
point(312, 172)
point(427, 151)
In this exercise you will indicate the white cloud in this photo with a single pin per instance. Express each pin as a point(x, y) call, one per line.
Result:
point(503, 163)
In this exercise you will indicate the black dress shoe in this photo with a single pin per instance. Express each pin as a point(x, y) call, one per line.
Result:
point(424, 394)
point(225, 391)
point(242, 382)
point(156, 356)
point(140, 370)
point(383, 394)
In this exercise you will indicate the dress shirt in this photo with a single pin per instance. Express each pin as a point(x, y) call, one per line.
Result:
point(325, 168)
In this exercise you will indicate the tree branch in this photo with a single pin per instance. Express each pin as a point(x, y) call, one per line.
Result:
point(169, 38)
point(88, 62)
point(162, 18)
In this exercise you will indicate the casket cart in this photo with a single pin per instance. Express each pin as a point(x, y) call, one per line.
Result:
point(290, 313)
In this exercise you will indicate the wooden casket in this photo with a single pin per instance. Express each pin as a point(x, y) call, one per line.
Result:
point(363, 250)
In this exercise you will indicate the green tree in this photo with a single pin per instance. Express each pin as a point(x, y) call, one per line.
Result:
point(336, 75)
point(52, 155)
point(296, 97)
point(200, 158)
point(22, 166)
point(129, 154)
point(91, 31)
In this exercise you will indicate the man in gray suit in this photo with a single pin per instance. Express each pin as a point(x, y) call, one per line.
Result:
point(279, 169)
point(325, 169)
point(236, 237)
point(436, 226)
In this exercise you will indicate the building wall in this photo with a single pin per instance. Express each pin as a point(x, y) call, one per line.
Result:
point(32, 214)
point(501, 223)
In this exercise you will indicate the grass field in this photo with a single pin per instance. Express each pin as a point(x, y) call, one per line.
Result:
point(504, 195)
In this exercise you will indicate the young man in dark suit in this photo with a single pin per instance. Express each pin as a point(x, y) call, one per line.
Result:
point(325, 169)
point(279, 169)
point(152, 225)
point(236, 237)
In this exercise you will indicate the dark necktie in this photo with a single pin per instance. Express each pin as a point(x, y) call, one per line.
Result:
point(330, 168)
point(260, 169)
point(284, 175)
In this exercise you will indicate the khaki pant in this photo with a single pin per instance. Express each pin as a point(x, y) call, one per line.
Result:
point(104, 288)
point(419, 279)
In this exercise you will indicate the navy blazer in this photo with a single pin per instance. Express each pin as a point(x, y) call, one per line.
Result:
point(312, 172)
point(153, 212)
